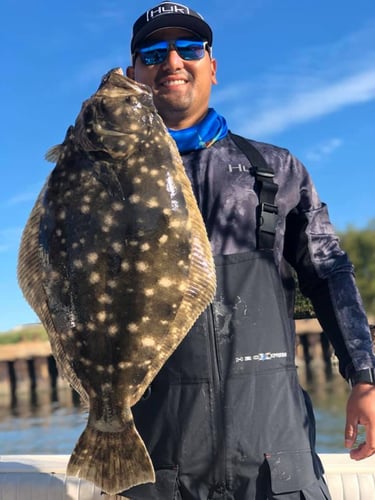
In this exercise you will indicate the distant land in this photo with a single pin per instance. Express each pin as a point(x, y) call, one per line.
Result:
point(24, 333)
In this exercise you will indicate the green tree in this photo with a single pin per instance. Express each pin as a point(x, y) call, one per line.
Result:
point(360, 246)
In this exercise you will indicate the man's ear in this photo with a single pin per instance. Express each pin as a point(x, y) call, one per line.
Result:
point(130, 72)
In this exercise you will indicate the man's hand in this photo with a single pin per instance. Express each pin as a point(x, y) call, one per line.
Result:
point(360, 410)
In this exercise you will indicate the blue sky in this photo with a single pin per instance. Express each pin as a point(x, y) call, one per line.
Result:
point(296, 73)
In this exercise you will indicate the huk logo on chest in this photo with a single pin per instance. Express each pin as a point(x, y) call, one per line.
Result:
point(237, 168)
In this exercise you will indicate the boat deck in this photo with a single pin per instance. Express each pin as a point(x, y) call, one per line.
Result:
point(42, 477)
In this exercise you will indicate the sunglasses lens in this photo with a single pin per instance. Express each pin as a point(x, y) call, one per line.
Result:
point(190, 50)
point(156, 53)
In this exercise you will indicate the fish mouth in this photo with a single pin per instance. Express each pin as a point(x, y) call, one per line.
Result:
point(115, 82)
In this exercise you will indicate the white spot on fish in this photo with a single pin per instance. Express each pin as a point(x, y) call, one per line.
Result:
point(113, 330)
point(134, 198)
point(141, 266)
point(152, 203)
point(175, 223)
point(133, 327)
point(163, 239)
point(165, 282)
point(92, 257)
point(125, 266)
point(148, 342)
point(117, 246)
point(94, 278)
point(125, 364)
point(108, 219)
point(145, 247)
point(85, 209)
point(117, 207)
point(105, 299)
point(102, 316)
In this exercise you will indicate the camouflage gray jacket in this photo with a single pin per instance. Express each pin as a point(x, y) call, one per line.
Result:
point(305, 239)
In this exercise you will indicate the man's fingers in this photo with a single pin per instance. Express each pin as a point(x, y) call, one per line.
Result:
point(359, 452)
point(351, 432)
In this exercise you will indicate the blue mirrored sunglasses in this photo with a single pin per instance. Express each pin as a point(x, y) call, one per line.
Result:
point(156, 52)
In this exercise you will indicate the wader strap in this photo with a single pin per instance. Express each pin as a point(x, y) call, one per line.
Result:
point(267, 210)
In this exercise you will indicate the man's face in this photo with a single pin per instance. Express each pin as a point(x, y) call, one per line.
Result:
point(181, 89)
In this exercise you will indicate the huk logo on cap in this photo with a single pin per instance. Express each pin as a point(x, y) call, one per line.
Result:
point(167, 8)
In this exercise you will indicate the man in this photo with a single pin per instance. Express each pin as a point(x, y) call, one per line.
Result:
point(226, 418)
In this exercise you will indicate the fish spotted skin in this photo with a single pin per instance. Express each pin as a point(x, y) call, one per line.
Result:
point(116, 262)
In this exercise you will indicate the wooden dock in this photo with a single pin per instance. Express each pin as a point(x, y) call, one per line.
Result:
point(28, 366)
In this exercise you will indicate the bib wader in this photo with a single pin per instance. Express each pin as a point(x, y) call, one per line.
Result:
point(226, 418)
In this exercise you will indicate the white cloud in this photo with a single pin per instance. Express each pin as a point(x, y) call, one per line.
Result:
point(314, 82)
point(20, 198)
point(28, 196)
point(228, 93)
point(312, 104)
point(324, 149)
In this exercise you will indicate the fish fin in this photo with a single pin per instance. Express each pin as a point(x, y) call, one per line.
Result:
point(53, 154)
point(113, 461)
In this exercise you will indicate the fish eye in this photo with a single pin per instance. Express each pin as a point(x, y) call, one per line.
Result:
point(131, 99)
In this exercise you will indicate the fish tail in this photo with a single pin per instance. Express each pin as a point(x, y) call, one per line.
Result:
point(113, 461)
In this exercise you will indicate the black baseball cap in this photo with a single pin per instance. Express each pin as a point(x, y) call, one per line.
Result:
point(169, 15)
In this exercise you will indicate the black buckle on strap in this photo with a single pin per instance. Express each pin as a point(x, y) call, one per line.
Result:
point(268, 217)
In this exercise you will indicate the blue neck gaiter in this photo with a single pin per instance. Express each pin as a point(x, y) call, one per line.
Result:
point(203, 135)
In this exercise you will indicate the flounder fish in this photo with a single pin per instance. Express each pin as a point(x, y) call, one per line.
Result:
point(116, 262)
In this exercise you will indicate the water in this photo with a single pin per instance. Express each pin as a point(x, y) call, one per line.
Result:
point(46, 423)
point(42, 426)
